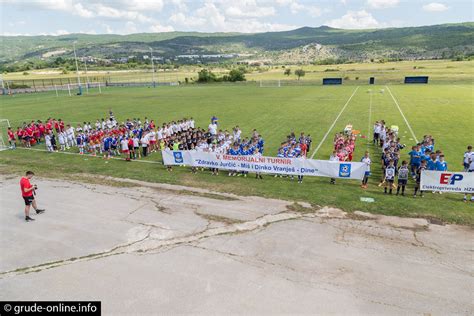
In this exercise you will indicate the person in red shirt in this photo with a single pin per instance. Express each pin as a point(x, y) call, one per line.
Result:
point(27, 192)
point(49, 126)
point(61, 125)
point(11, 138)
point(28, 136)
point(41, 129)
point(304, 149)
point(19, 133)
point(56, 126)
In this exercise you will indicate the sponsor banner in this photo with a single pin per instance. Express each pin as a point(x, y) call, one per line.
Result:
point(273, 165)
point(446, 181)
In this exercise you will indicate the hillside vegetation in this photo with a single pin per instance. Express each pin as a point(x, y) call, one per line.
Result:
point(303, 45)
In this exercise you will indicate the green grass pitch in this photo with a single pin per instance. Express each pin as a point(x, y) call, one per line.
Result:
point(444, 111)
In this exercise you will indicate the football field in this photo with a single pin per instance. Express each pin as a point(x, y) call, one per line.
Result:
point(444, 111)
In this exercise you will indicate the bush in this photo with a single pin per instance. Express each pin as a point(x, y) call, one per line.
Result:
point(235, 75)
point(206, 76)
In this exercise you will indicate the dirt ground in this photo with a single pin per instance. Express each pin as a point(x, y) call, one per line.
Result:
point(144, 248)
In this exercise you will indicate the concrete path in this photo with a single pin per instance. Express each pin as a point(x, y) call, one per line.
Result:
point(145, 248)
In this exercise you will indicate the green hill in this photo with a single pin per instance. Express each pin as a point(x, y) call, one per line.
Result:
point(307, 43)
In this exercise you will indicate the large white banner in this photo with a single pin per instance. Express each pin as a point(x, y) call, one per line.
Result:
point(274, 165)
point(446, 181)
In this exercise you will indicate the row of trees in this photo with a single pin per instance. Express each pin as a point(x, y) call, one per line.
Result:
point(207, 76)
point(298, 72)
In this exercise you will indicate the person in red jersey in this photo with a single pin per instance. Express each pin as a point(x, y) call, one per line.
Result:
point(61, 125)
point(11, 138)
point(56, 125)
point(28, 192)
point(28, 135)
point(49, 126)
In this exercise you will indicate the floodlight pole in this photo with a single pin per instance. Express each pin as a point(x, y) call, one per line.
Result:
point(87, 76)
point(77, 69)
point(3, 86)
point(152, 66)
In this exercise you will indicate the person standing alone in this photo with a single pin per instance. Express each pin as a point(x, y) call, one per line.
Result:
point(27, 192)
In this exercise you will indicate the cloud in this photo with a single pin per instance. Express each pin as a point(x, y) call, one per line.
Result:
point(180, 5)
point(355, 20)
point(212, 17)
point(296, 7)
point(56, 33)
point(435, 7)
point(108, 29)
point(382, 4)
point(130, 28)
point(314, 11)
point(112, 9)
point(113, 13)
point(81, 11)
point(249, 9)
point(141, 5)
point(158, 28)
point(191, 21)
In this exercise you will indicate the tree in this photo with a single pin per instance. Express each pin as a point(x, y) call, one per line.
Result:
point(287, 71)
point(206, 76)
point(300, 73)
point(236, 75)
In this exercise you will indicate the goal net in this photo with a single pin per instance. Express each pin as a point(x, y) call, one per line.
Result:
point(270, 83)
point(4, 125)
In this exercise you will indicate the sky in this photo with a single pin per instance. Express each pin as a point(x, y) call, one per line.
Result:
point(58, 17)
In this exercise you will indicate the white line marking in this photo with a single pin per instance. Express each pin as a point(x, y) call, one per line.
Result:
point(86, 155)
point(403, 115)
point(334, 123)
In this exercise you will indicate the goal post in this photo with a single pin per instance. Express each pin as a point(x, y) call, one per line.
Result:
point(270, 83)
point(4, 125)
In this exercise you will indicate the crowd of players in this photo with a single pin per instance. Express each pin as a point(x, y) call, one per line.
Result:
point(134, 139)
point(423, 156)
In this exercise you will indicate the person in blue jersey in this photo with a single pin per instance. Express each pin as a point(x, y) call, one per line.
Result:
point(431, 163)
point(107, 142)
point(426, 155)
point(257, 154)
point(234, 151)
point(441, 164)
point(302, 138)
point(113, 146)
point(80, 143)
point(260, 144)
point(415, 160)
point(244, 152)
point(280, 154)
point(291, 153)
point(252, 147)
